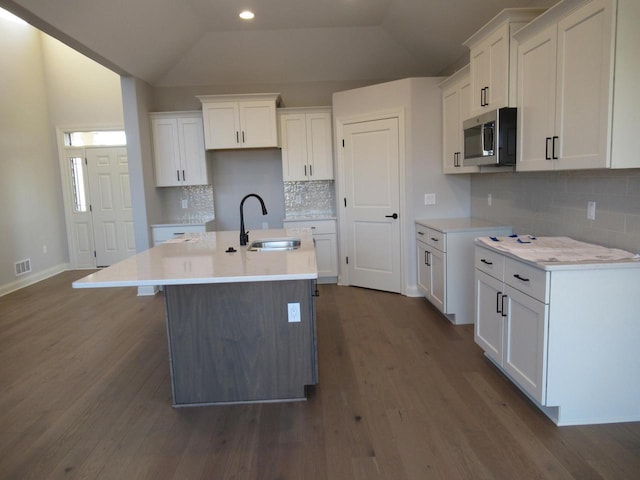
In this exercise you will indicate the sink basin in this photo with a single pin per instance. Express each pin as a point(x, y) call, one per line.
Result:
point(274, 244)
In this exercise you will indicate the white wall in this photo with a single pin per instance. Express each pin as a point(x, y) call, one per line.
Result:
point(44, 84)
point(31, 217)
point(420, 98)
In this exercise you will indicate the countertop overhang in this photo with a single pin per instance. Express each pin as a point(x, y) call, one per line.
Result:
point(201, 258)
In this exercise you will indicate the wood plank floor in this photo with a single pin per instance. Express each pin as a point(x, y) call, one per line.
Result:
point(403, 394)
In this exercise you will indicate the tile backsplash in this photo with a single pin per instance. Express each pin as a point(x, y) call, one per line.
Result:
point(199, 201)
point(316, 198)
point(555, 203)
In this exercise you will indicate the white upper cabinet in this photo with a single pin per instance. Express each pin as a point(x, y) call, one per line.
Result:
point(492, 57)
point(307, 146)
point(178, 149)
point(240, 121)
point(578, 103)
point(456, 107)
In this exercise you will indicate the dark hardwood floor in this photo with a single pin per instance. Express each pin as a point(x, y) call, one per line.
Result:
point(403, 394)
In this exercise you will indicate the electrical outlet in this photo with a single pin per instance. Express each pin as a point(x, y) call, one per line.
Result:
point(294, 312)
point(591, 210)
point(489, 199)
point(429, 198)
point(185, 203)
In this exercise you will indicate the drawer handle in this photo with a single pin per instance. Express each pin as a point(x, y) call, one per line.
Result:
point(502, 312)
point(498, 302)
point(517, 275)
point(178, 233)
point(420, 233)
point(434, 239)
point(486, 262)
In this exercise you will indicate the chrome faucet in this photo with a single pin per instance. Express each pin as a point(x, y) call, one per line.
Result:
point(244, 236)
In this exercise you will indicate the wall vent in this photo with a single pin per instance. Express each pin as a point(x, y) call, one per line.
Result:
point(23, 266)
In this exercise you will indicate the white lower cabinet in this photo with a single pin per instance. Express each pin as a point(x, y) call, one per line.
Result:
point(325, 239)
point(566, 336)
point(445, 262)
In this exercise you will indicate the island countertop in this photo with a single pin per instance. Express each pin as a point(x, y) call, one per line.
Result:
point(200, 258)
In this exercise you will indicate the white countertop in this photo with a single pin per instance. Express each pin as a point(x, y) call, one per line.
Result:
point(463, 224)
point(199, 258)
point(555, 253)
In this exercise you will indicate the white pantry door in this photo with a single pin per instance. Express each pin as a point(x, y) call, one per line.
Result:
point(372, 189)
point(108, 171)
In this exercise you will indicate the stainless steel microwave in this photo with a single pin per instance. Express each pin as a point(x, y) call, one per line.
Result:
point(490, 138)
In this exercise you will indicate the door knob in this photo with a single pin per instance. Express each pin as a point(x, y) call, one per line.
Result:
point(394, 216)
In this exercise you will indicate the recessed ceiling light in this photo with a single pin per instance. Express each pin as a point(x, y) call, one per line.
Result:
point(247, 15)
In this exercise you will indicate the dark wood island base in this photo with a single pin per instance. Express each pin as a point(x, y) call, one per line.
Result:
point(234, 343)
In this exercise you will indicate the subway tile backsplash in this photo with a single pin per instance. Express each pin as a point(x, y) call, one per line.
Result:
point(555, 203)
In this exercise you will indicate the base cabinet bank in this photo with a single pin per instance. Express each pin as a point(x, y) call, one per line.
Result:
point(566, 333)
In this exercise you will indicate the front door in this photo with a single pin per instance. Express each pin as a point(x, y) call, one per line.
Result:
point(372, 201)
point(108, 172)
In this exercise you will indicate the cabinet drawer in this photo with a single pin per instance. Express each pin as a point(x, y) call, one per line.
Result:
point(317, 226)
point(162, 234)
point(492, 263)
point(527, 279)
point(431, 237)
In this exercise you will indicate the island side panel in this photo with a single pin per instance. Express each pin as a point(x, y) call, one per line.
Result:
point(232, 342)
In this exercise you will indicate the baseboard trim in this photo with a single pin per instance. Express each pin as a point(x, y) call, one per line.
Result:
point(32, 278)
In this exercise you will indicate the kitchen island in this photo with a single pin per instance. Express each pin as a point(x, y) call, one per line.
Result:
point(240, 323)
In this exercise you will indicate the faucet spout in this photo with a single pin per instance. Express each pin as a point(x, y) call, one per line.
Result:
point(244, 236)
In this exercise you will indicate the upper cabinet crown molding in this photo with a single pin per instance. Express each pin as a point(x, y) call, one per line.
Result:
point(493, 59)
point(240, 121)
point(577, 87)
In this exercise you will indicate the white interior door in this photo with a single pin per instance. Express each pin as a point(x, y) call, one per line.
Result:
point(372, 195)
point(110, 193)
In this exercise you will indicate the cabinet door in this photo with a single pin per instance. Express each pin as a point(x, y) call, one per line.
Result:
point(497, 95)
point(451, 129)
point(258, 124)
point(536, 101)
point(319, 146)
point(480, 63)
point(222, 125)
point(424, 271)
point(166, 152)
point(438, 273)
point(194, 164)
point(525, 342)
point(326, 254)
point(584, 86)
point(294, 147)
point(488, 326)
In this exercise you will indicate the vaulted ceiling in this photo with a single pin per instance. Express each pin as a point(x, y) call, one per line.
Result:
point(203, 42)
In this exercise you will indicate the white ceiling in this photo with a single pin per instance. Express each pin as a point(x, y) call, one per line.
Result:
point(203, 42)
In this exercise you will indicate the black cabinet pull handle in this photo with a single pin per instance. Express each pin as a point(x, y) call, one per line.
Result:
point(434, 239)
point(546, 148)
point(178, 174)
point(311, 170)
point(183, 176)
point(553, 148)
point(517, 275)
point(502, 306)
point(305, 170)
point(426, 258)
point(420, 233)
point(394, 216)
point(237, 138)
point(498, 302)
point(486, 262)
point(243, 136)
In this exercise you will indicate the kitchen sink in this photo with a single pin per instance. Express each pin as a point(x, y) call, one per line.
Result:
point(274, 244)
